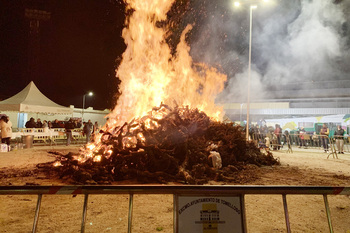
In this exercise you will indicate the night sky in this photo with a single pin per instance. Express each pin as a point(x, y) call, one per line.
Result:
point(80, 47)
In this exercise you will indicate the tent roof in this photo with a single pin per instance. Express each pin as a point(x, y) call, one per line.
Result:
point(30, 99)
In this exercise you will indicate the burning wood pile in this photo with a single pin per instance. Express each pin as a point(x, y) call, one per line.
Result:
point(168, 145)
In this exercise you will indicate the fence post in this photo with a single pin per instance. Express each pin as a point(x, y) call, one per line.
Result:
point(244, 216)
point(131, 197)
point(286, 214)
point(328, 212)
point(36, 216)
point(175, 200)
point(83, 220)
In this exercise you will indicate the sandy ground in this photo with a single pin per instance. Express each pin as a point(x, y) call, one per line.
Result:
point(154, 213)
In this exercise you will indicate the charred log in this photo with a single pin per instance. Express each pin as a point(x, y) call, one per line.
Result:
point(172, 148)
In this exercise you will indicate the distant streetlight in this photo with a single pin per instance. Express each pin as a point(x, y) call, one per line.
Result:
point(252, 6)
point(82, 112)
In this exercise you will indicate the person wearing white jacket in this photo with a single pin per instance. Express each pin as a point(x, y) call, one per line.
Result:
point(6, 130)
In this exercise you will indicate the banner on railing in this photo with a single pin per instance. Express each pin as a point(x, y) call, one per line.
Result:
point(208, 214)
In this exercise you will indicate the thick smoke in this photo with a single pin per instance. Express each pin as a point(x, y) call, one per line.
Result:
point(297, 46)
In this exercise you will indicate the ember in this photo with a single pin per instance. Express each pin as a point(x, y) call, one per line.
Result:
point(168, 145)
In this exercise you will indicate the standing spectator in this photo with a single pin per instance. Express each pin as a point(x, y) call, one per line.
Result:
point(69, 126)
point(287, 140)
point(87, 131)
point(267, 143)
point(315, 140)
point(39, 124)
point(90, 124)
point(302, 132)
point(274, 142)
point(96, 127)
point(263, 131)
point(45, 126)
point(324, 137)
point(31, 123)
point(75, 123)
point(339, 139)
point(287, 137)
point(278, 133)
point(78, 123)
point(49, 124)
point(6, 130)
point(55, 124)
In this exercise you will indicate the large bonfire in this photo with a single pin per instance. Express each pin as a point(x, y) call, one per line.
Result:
point(166, 125)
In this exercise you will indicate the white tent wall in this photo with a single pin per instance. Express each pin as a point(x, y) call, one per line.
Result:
point(89, 114)
point(93, 115)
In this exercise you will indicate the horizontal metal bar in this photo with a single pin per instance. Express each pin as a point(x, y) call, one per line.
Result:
point(173, 189)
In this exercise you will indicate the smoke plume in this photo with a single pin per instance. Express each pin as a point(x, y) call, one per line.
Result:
point(298, 47)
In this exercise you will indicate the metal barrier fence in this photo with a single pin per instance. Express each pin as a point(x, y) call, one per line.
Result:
point(176, 191)
point(304, 141)
point(41, 136)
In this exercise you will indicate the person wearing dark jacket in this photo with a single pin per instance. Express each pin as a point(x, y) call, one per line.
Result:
point(278, 133)
point(302, 133)
point(39, 124)
point(69, 126)
point(87, 131)
point(339, 139)
point(324, 132)
point(31, 123)
point(55, 124)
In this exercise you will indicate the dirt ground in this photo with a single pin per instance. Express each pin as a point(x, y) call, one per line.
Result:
point(154, 213)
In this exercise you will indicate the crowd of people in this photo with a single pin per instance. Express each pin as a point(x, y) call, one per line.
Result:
point(88, 128)
point(264, 136)
point(274, 137)
point(50, 124)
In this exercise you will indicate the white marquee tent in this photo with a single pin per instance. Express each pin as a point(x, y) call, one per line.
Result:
point(31, 100)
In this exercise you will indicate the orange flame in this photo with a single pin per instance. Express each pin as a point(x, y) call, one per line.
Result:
point(57, 164)
point(150, 75)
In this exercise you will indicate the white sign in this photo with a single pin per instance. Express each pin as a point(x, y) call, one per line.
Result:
point(219, 214)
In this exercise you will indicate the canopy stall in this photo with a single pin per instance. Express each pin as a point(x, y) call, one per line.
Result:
point(31, 100)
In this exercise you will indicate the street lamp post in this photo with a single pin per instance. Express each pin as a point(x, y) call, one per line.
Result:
point(252, 6)
point(240, 116)
point(82, 112)
point(249, 65)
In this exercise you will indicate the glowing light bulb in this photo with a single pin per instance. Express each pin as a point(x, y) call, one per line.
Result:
point(237, 4)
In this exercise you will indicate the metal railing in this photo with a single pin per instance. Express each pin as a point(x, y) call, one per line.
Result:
point(210, 190)
point(304, 141)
